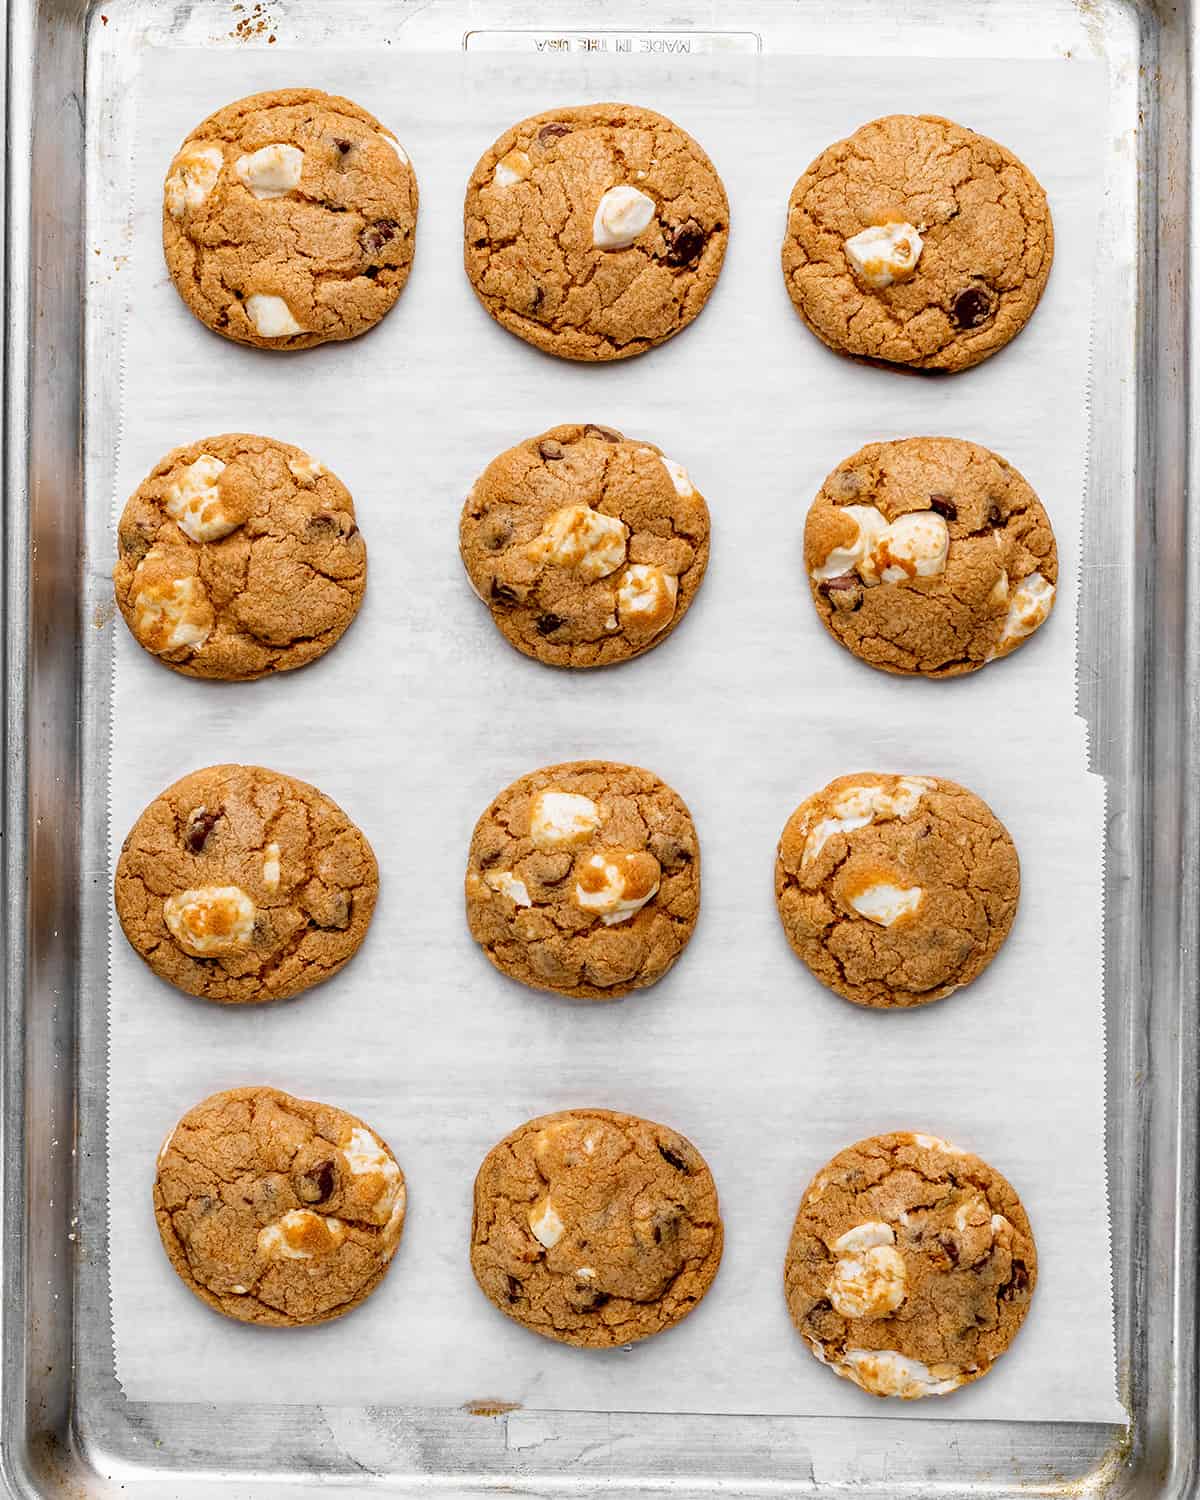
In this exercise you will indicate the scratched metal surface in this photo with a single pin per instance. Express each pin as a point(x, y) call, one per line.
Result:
point(66, 1427)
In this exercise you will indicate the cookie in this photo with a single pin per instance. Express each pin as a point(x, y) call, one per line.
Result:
point(595, 1228)
point(240, 884)
point(584, 878)
point(929, 556)
point(237, 557)
point(587, 547)
point(289, 219)
point(595, 232)
point(896, 890)
point(276, 1210)
point(917, 242)
point(911, 1266)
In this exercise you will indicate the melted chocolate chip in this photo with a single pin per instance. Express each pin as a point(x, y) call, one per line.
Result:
point(684, 243)
point(845, 592)
point(672, 1158)
point(548, 134)
point(375, 236)
point(514, 1289)
point(548, 623)
point(669, 851)
point(944, 506)
point(502, 594)
point(201, 822)
point(605, 434)
point(315, 1185)
point(1018, 1283)
point(950, 1245)
point(971, 307)
point(550, 449)
point(994, 516)
point(343, 146)
point(536, 300)
point(371, 272)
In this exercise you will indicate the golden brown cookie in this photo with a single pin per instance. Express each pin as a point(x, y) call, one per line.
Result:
point(896, 890)
point(584, 878)
point(595, 1228)
point(239, 556)
point(911, 1266)
point(929, 556)
point(289, 218)
point(276, 1210)
point(595, 232)
point(240, 884)
point(587, 547)
point(917, 242)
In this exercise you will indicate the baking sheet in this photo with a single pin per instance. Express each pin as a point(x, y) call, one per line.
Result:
point(422, 712)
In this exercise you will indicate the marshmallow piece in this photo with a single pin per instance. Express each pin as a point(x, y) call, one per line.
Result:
point(270, 869)
point(679, 477)
point(646, 598)
point(505, 883)
point(884, 253)
point(271, 171)
point(913, 546)
point(390, 140)
point(514, 167)
point(615, 884)
point(621, 215)
point(192, 177)
point(856, 806)
point(306, 468)
point(560, 819)
point(884, 903)
point(853, 556)
point(581, 538)
point(299, 1235)
point(869, 1279)
point(883, 1372)
point(999, 594)
point(171, 611)
point(211, 920)
point(935, 1143)
point(271, 316)
point(1031, 602)
point(366, 1158)
point(547, 1227)
point(193, 501)
point(586, 1273)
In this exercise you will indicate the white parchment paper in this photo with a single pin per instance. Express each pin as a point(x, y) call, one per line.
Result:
point(423, 712)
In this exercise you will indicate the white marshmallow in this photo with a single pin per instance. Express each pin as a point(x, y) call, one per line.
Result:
point(621, 215)
point(851, 558)
point(271, 171)
point(271, 316)
point(364, 1154)
point(390, 140)
point(270, 869)
point(1030, 604)
point(883, 1372)
point(562, 818)
point(210, 920)
point(547, 1227)
point(856, 806)
point(885, 903)
point(914, 545)
point(194, 501)
point(646, 598)
point(581, 538)
point(306, 468)
point(868, 1283)
point(679, 477)
point(277, 1241)
point(192, 177)
point(884, 253)
point(505, 883)
point(513, 168)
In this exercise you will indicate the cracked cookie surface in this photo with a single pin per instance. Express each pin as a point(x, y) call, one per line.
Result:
point(595, 232)
point(911, 1266)
point(289, 219)
point(240, 884)
point(917, 242)
point(595, 1228)
point(584, 878)
point(276, 1210)
point(929, 556)
point(587, 547)
point(896, 890)
point(237, 557)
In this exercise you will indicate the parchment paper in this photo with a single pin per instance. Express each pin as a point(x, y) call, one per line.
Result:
point(423, 712)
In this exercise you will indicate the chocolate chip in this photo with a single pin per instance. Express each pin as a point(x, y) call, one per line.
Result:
point(605, 434)
point(514, 1289)
point(845, 592)
point(672, 1158)
point(993, 515)
point(548, 623)
point(950, 1245)
point(502, 594)
point(1018, 1283)
point(375, 236)
point(550, 450)
point(343, 146)
point(201, 822)
point(536, 300)
point(315, 1185)
point(684, 243)
point(550, 133)
point(944, 506)
point(971, 307)
point(669, 851)
point(371, 272)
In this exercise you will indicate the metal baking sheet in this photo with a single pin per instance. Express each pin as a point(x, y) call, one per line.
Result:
point(65, 1421)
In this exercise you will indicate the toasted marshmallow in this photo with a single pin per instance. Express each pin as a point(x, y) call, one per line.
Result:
point(382, 1182)
point(621, 215)
point(915, 545)
point(851, 556)
point(583, 539)
point(615, 884)
point(511, 168)
point(299, 1235)
point(883, 903)
point(270, 869)
point(679, 477)
point(935, 1143)
point(1030, 604)
point(856, 806)
point(883, 1372)
point(210, 921)
point(271, 316)
point(884, 253)
point(306, 468)
point(545, 1223)
point(505, 883)
point(559, 819)
point(171, 609)
point(271, 171)
point(646, 599)
point(193, 501)
point(192, 177)
point(868, 1280)
point(390, 140)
